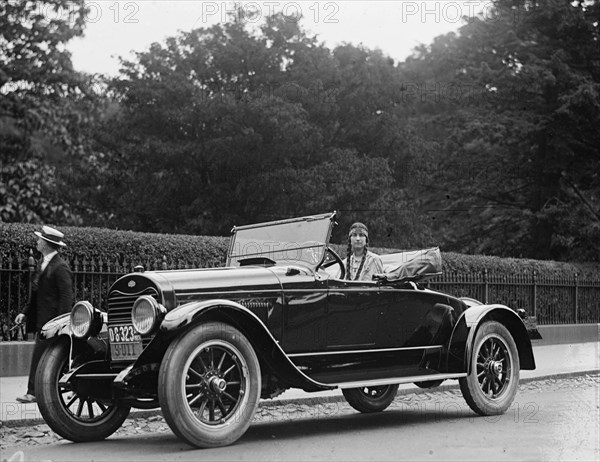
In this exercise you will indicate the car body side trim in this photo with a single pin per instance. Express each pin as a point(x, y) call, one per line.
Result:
point(332, 291)
point(380, 350)
point(194, 293)
point(391, 381)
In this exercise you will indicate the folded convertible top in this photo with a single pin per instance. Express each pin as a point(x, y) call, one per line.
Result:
point(413, 265)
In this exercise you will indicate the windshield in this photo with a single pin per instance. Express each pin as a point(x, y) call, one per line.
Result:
point(298, 240)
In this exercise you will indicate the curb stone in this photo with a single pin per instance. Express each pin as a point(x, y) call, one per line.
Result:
point(310, 401)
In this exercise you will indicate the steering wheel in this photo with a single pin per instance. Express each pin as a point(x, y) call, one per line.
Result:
point(332, 258)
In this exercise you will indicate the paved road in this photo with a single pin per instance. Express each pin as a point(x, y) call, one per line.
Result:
point(550, 360)
point(550, 420)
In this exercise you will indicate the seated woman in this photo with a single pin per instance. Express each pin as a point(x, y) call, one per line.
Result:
point(361, 264)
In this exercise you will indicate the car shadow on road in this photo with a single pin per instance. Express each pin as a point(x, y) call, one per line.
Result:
point(282, 428)
point(327, 422)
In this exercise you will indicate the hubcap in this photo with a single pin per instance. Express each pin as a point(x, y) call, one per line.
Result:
point(495, 367)
point(217, 384)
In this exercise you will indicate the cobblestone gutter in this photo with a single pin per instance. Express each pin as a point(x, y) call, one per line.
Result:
point(141, 423)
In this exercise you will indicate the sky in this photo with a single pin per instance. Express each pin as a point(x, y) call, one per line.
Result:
point(116, 28)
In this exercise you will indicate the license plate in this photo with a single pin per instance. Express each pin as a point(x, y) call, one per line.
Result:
point(125, 344)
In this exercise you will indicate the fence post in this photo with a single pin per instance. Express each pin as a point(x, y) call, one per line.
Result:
point(31, 268)
point(534, 281)
point(486, 286)
point(576, 297)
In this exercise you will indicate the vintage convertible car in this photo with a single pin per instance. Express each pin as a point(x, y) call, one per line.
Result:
point(205, 345)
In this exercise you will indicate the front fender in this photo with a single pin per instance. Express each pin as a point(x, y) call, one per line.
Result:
point(235, 314)
point(463, 334)
point(60, 325)
point(185, 315)
point(92, 347)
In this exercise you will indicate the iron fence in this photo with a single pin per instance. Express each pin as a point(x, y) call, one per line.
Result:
point(552, 300)
point(91, 281)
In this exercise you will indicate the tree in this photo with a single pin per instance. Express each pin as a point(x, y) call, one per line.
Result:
point(485, 141)
point(40, 107)
point(519, 165)
point(215, 122)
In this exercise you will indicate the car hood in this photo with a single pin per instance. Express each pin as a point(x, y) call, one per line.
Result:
point(175, 287)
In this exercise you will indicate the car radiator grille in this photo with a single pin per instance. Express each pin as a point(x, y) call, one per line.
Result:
point(120, 306)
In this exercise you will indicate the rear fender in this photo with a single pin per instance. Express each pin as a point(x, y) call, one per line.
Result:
point(267, 348)
point(463, 335)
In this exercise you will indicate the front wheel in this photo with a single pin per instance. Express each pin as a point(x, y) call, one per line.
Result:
point(370, 399)
point(492, 383)
point(73, 413)
point(209, 385)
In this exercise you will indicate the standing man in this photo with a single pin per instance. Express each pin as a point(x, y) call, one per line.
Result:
point(52, 294)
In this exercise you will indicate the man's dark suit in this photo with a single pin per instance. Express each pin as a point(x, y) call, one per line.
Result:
point(52, 295)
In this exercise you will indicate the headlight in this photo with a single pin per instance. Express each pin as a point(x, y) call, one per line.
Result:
point(146, 314)
point(82, 317)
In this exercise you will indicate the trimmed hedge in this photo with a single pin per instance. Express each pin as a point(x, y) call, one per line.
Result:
point(131, 248)
point(128, 248)
point(460, 263)
point(117, 252)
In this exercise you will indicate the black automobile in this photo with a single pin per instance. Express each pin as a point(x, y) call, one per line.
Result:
point(205, 345)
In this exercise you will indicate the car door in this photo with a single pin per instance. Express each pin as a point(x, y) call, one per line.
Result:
point(353, 310)
point(304, 312)
point(375, 332)
point(415, 324)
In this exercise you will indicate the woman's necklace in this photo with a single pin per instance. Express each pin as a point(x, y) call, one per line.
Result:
point(354, 263)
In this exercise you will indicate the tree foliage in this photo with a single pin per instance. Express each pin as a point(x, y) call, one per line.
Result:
point(527, 139)
point(231, 125)
point(484, 141)
point(43, 108)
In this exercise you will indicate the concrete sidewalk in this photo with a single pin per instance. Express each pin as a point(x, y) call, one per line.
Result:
point(551, 360)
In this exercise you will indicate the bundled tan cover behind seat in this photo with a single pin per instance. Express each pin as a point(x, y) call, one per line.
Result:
point(413, 265)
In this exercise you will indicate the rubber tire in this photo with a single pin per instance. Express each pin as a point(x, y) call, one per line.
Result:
point(51, 406)
point(174, 405)
point(362, 402)
point(470, 387)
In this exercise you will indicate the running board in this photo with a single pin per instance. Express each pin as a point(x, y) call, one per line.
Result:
point(399, 380)
point(99, 376)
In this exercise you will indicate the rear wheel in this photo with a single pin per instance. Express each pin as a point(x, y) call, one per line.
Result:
point(209, 385)
point(370, 399)
point(490, 387)
point(69, 412)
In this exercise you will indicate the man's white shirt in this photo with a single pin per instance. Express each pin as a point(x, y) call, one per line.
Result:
point(47, 259)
